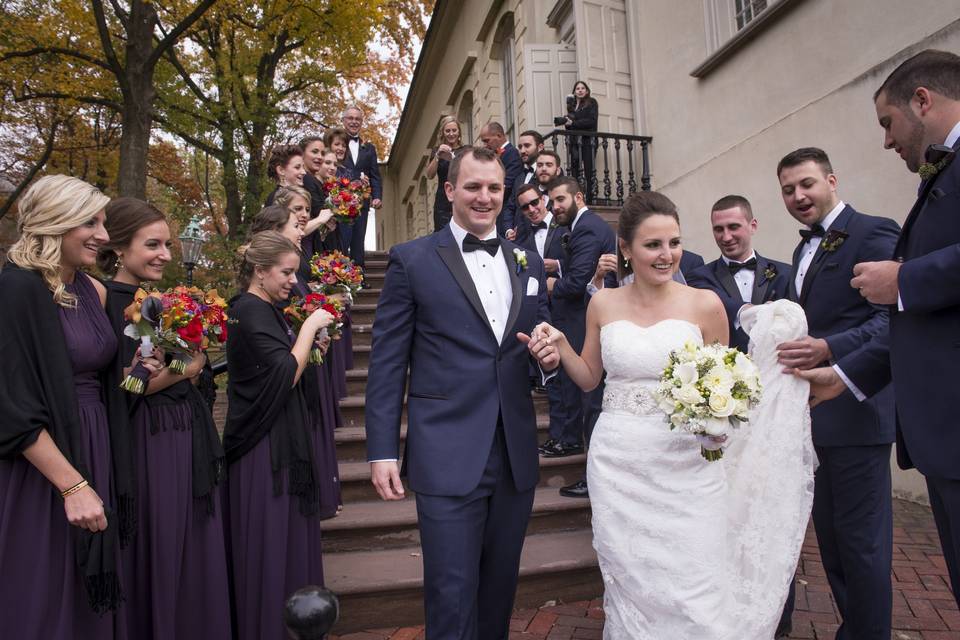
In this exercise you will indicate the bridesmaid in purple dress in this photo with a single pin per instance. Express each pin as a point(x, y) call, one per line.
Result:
point(176, 568)
point(272, 492)
point(321, 401)
point(63, 471)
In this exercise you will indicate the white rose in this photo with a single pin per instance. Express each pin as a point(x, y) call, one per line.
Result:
point(686, 373)
point(666, 404)
point(741, 408)
point(716, 426)
point(688, 394)
point(722, 405)
point(678, 420)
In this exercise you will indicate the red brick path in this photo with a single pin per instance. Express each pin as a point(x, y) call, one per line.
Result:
point(923, 607)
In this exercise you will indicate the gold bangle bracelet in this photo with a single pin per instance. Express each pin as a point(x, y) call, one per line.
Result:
point(72, 490)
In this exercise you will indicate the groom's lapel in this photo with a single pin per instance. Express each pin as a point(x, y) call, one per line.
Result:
point(451, 256)
point(722, 272)
point(760, 281)
point(517, 300)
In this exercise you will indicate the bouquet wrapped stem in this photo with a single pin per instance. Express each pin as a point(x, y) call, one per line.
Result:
point(300, 309)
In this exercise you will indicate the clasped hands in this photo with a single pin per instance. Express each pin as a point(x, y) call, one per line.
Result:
point(544, 345)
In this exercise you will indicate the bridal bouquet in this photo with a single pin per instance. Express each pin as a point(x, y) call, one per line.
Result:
point(300, 309)
point(180, 320)
point(345, 198)
point(706, 390)
point(334, 272)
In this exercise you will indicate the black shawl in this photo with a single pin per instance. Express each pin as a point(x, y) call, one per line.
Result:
point(207, 456)
point(263, 399)
point(37, 392)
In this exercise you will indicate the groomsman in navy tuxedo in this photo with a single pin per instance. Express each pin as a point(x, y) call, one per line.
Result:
point(456, 311)
point(544, 236)
point(494, 138)
point(741, 275)
point(361, 157)
point(852, 510)
point(529, 144)
point(590, 237)
point(918, 106)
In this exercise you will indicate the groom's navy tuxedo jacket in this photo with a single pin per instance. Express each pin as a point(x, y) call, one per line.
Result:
point(922, 350)
point(462, 383)
point(771, 282)
point(839, 314)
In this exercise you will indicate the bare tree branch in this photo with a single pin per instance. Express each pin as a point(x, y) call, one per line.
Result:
point(34, 170)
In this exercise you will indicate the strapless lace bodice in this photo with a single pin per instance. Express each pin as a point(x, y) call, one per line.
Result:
point(634, 356)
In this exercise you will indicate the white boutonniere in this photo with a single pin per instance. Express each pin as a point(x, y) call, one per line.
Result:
point(520, 257)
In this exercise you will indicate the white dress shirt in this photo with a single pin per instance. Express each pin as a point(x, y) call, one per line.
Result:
point(491, 277)
point(354, 146)
point(744, 278)
point(811, 246)
point(540, 237)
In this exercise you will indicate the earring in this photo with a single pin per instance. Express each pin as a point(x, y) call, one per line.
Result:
point(119, 264)
point(261, 283)
point(626, 262)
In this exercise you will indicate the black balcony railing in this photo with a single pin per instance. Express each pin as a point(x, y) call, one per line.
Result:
point(608, 166)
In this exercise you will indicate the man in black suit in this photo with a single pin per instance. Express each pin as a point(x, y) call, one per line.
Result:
point(589, 238)
point(918, 106)
point(741, 275)
point(494, 138)
point(529, 144)
point(361, 157)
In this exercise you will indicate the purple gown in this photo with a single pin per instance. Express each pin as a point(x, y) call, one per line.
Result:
point(176, 580)
point(41, 594)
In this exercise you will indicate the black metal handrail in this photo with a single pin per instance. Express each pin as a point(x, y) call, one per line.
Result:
point(611, 177)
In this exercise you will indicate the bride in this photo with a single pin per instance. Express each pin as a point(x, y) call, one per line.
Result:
point(688, 549)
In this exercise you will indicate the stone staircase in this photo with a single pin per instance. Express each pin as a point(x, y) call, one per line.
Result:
point(371, 550)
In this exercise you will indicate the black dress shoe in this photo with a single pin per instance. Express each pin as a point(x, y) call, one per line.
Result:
point(575, 490)
point(783, 630)
point(548, 445)
point(561, 450)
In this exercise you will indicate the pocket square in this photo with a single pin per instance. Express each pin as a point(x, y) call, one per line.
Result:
point(533, 287)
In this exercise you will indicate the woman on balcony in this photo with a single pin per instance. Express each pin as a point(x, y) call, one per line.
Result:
point(582, 115)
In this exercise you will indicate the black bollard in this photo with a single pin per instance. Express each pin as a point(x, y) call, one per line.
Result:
point(310, 613)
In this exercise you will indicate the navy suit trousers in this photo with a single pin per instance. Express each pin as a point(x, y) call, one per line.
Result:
point(945, 502)
point(853, 518)
point(471, 553)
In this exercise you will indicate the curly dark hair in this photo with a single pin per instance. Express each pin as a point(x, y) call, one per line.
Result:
point(280, 156)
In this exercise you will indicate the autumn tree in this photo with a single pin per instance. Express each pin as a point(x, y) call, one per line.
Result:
point(88, 52)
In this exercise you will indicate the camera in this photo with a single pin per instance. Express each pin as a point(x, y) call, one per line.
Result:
point(561, 121)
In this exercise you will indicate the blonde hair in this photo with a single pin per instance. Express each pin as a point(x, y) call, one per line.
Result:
point(50, 208)
point(444, 121)
point(285, 194)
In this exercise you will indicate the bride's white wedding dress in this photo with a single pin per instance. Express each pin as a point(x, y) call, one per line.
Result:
point(691, 549)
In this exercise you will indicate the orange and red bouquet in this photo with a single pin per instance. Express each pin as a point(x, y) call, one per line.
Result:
point(179, 321)
point(332, 272)
point(300, 309)
point(345, 198)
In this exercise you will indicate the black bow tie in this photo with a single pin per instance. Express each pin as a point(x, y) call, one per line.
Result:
point(814, 231)
point(355, 139)
point(473, 243)
point(750, 265)
point(540, 225)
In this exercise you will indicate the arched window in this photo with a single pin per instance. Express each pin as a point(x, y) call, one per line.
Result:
point(465, 116)
point(503, 50)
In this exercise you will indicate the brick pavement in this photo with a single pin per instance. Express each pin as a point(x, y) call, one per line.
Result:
point(923, 607)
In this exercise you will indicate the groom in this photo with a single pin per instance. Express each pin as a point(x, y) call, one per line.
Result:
point(451, 308)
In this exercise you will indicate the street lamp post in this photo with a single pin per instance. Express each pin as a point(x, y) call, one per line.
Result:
point(191, 242)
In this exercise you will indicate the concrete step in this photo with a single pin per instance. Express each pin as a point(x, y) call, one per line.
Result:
point(363, 313)
point(554, 472)
point(352, 441)
point(367, 296)
point(353, 408)
point(368, 526)
point(374, 278)
point(356, 378)
point(361, 356)
point(384, 588)
point(362, 334)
